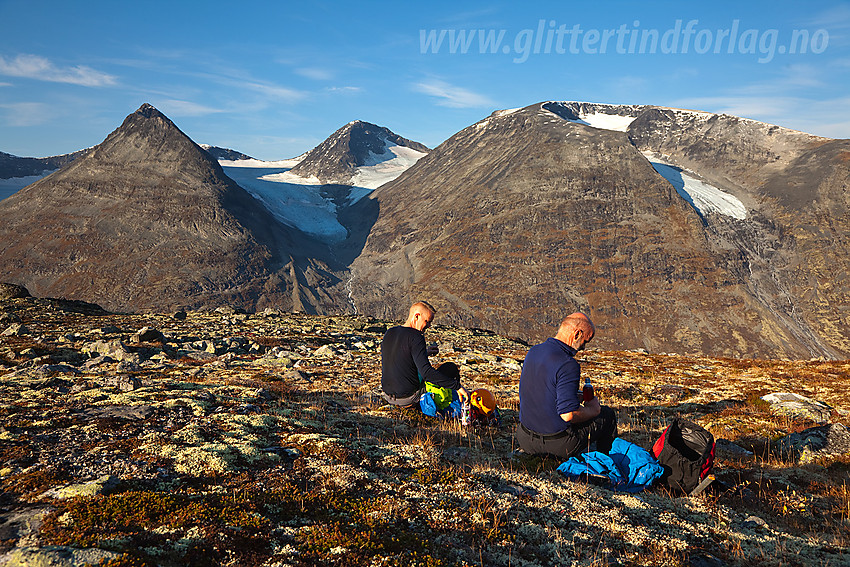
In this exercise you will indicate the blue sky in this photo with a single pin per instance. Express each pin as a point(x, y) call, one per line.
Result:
point(272, 79)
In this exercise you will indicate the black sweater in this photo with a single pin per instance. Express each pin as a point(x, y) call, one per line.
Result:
point(404, 359)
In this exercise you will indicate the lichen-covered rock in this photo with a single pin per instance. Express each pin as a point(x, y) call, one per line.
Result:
point(15, 330)
point(795, 405)
point(114, 349)
point(55, 556)
point(102, 485)
point(21, 524)
point(148, 335)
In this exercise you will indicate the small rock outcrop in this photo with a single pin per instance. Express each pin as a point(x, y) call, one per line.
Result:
point(789, 403)
point(815, 443)
point(13, 291)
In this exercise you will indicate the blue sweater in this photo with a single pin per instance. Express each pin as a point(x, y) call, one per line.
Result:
point(548, 387)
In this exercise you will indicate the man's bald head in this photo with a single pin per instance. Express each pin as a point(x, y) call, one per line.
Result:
point(420, 315)
point(421, 307)
point(576, 328)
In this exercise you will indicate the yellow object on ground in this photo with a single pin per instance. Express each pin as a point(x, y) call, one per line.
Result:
point(442, 396)
point(483, 399)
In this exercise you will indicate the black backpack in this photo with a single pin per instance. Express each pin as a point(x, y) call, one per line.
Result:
point(686, 451)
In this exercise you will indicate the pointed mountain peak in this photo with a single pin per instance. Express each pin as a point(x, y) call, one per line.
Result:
point(354, 145)
point(148, 111)
point(148, 136)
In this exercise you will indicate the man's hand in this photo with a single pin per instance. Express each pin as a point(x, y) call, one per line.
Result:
point(593, 406)
point(462, 394)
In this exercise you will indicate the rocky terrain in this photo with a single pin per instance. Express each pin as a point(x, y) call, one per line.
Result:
point(14, 166)
point(225, 438)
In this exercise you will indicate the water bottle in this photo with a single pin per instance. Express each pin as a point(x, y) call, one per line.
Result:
point(587, 391)
point(465, 413)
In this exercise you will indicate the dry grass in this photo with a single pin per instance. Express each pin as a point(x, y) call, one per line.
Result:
point(350, 481)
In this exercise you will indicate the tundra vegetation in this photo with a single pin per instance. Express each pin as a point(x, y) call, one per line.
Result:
point(225, 438)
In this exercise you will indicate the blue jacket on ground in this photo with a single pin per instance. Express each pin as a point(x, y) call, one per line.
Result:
point(629, 468)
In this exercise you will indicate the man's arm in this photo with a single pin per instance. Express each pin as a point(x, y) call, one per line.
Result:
point(419, 352)
point(588, 411)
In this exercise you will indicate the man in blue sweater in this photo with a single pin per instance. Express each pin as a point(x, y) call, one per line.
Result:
point(404, 361)
point(551, 414)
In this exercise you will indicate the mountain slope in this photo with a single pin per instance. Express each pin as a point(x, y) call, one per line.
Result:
point(148, 220)
point(529, 214)
point(14, 166)
point(337, 159)
point(794, 252)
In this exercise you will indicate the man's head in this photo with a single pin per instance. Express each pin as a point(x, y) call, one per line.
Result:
point(576, 330)
point(420, 316)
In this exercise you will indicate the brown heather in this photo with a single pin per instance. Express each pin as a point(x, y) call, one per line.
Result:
point(267, 451)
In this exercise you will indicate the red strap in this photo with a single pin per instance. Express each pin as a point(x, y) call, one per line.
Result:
point(656, 448)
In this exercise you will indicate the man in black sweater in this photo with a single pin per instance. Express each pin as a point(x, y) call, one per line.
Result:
point(404, 361)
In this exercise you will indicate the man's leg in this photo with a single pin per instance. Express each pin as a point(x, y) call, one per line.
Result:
point(536, 445)
point(449, 369)
point(602, 430)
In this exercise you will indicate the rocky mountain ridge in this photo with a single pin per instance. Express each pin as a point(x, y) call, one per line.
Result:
point(14, 166)
point(148, 219)
point(515, 220)
point(224, 153)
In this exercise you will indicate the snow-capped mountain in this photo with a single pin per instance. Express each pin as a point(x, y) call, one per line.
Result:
point(310, 191)
point(677, 230)
point(340, 158)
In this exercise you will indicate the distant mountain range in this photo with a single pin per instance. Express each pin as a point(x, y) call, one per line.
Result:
point(148, 220)
point(224, 153)
point(677, 230)
point(14, 166)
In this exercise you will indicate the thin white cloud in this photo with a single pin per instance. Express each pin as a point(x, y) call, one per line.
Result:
point(452, 96)
point(836, 17)
point(344, 89)
point(25, 114)
point(270, 90)
point(755, 106)
point(315, 73)
point(186, 108)
point(41, 69)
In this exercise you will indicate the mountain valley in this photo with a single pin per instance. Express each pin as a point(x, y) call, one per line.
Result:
point(677, 230)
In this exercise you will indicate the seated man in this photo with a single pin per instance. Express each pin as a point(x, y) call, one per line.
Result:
point(551, 415)
point(404, 361)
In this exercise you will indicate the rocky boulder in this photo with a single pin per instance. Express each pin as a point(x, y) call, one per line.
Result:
point(13, 291)
point(795, 405)
point(814, 443)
